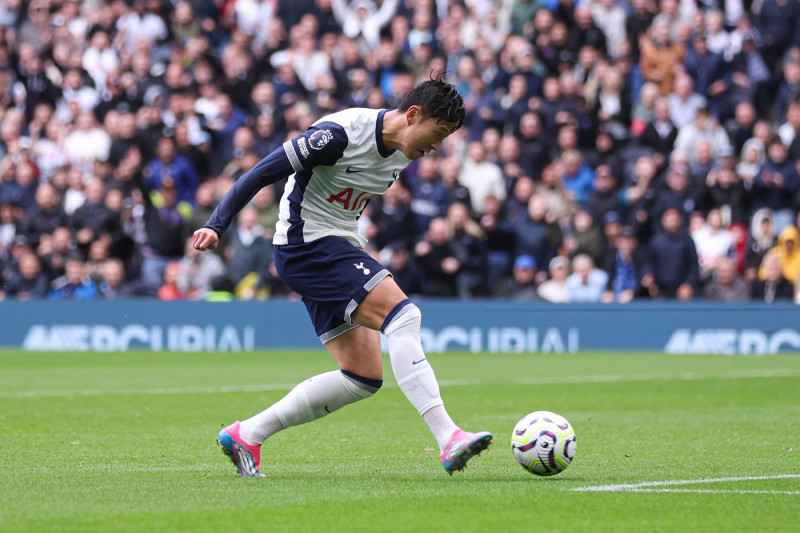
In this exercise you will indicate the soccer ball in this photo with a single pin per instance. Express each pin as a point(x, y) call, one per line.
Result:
point(544, 443)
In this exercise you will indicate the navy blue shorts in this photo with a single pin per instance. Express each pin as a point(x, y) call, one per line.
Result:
point(332, 276)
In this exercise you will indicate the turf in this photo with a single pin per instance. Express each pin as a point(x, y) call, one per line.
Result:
point(125, 442)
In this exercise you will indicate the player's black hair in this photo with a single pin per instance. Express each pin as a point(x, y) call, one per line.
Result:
point(438, 99)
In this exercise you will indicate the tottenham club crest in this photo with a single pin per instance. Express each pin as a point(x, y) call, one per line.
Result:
point(319, 139)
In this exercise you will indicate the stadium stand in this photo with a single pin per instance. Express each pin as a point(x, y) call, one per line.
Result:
point(123, 122)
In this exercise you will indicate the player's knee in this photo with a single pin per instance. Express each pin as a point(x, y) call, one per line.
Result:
point(405, 317)
point(361, 386)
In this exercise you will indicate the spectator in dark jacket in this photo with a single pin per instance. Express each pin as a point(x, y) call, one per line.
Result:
point(607, 197)
point(249, 251)
point(534, 234)
point(726, 285)
point(776, 184)
point(750, 77)
point(27, 282)
point(778, 23)
point(468, 239)
point(706, 69)
point(725, 191)
point(166, 229)
point(774, 287)
point(533, 145)
point(429, 198)
point(75, 284)
point(522, 284)
point(437, 256)
point(391, 218)
point(405, 270)
point(660, 133)
point(18, 184)
point(93, 220)
point(114, 286)
point(585, 32)
point(626, 265)
point(171, 165)
point(675, 270)
point(499, 241)
point(45, 217)
point(677, 194)
point(449, 169)
point(788, 90)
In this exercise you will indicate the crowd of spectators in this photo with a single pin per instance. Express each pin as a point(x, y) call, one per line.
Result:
point(613, 149)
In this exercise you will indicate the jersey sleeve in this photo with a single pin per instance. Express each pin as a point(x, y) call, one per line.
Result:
point(269, 170)
point(322, 144)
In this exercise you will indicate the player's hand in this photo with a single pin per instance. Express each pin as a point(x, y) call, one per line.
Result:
point(205, 239)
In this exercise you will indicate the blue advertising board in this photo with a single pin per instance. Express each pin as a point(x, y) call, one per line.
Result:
point(474, 326)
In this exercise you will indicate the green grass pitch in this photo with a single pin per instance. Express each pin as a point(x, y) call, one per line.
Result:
point(126, 442)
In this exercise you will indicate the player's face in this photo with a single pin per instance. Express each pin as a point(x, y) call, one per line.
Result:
point(426, 135)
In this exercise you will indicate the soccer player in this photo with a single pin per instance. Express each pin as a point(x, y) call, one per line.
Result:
point(336, 166)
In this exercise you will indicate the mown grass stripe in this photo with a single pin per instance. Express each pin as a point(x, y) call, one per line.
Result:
point(609, 378)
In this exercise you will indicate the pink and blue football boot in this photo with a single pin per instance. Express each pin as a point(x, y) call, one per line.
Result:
point(246, 457)
point(462, 447)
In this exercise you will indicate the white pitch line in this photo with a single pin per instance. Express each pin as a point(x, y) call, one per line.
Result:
point(645, 486)
point(720, 491)
point(605, 378)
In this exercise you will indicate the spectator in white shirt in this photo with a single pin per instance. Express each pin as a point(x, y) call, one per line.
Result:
point(482, 177)
point(362, 20)
point(586, 283)
point(99, 58)
point(555, 289)
point(684, 103)
point(87, 142)
point(141, 24)
point(610, 17)
point(712, 240)
point(307, 62)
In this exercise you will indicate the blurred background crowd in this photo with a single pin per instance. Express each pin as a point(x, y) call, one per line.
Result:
point(613, 149)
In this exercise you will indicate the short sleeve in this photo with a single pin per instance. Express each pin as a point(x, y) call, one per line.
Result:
point(323, 144)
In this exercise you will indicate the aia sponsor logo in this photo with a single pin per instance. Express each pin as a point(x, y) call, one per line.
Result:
point(351, 201)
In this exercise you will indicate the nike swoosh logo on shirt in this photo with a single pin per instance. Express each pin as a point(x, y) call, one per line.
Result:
point(350, 170)
point(417, 362)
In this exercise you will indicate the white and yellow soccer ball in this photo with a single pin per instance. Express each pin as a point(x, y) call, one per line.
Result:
point(544, 443)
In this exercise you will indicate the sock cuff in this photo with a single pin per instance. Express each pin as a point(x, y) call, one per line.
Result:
point(367, 384)
point(396, 310)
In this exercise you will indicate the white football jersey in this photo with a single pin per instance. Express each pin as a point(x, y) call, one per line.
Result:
point(340, 163)
point(335, 168)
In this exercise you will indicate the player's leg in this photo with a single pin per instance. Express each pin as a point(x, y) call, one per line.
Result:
point(358, 354)
point(356, 351)
point(316, 397)
point(386, 308)
point(306, 268)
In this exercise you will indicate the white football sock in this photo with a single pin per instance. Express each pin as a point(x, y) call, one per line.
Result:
point(441, 425)
point(314, 398)
point(414, 375)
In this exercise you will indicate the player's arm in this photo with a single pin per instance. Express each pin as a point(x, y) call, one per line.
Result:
point(322, 144)
point(269, 170)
